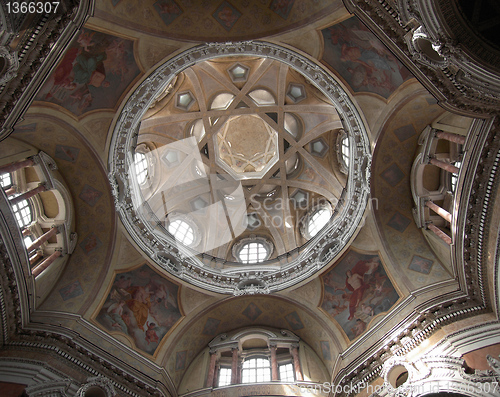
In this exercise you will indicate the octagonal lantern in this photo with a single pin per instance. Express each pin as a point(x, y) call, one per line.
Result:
point(246, 147)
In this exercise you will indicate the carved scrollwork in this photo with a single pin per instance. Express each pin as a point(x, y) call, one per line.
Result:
point(9, 64)
point(104, 385)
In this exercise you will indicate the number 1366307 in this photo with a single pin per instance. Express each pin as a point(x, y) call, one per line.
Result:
point(32, 7)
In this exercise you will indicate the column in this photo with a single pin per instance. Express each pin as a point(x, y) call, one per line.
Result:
point(238, 372)
point(8, 168)
point(45, 263)
point(10, 191)
point(43, 238)
point(445, 166)
point(28, 194)
point(438, 210)
point(460, 139)
point(234, 366)
point(211, 368)
point(274, 363)
point(216, 376)
point(296, 362)
point(35, 258)
point(438, 232)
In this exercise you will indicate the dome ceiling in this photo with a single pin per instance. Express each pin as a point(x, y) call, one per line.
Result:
point(214, 21)
point(244, 188)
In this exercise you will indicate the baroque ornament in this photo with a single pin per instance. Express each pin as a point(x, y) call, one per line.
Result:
point(198, 268)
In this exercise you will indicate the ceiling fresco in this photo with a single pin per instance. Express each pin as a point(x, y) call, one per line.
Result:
point(141, 305)
point(363, 62)
point(357, 291)
point(214, 21)
point(93, 74)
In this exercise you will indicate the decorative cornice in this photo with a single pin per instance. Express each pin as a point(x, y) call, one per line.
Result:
point(460, 82)
point(473, 204)
point(236, 278)
point(42, 45)
point(19, 334)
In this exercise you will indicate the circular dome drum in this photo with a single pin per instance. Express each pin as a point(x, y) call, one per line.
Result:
point(226, 170)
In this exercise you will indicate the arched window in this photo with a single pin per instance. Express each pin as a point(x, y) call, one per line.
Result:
point(23, 213)
point(253, 252)
point(286, 372)
point(182, 231)
point(345, 149)
point(254, 351)
point(343, 153)
point(224, 376)
point(141, 167)
point(318, 220)
point(256, 370)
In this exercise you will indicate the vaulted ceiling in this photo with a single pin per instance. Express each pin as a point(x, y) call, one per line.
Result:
point(231, 115)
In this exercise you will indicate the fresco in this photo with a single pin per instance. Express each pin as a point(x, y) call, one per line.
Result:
point(282, 7)
point(294, 321)
point(420, 264)
point(93, 73)
point(71, 291)
point(226, 15)
point(361, 59)
point(356, 290)
point(168, 10)
point(141, 305)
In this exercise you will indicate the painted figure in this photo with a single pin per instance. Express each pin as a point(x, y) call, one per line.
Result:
point(151, 333)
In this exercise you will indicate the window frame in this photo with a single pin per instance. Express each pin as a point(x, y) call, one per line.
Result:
point(243, 243)
point(144, 170)
point(344, 162)
point(229, 373)
point(16, 209)
point(283, 364)
point(305, 222)
point(9, 174)
point(454, 177)
point(255, 359)
point(185, 218)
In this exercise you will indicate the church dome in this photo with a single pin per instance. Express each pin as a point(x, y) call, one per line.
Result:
point(243, 189)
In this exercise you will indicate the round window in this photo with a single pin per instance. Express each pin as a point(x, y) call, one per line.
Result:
point(182, 231)
point(253, 252)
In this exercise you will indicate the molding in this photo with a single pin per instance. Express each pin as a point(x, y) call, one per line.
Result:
point(19, 332)
point(472, 206)
point(194, 268)
point(41, 48)
point(458, 79)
